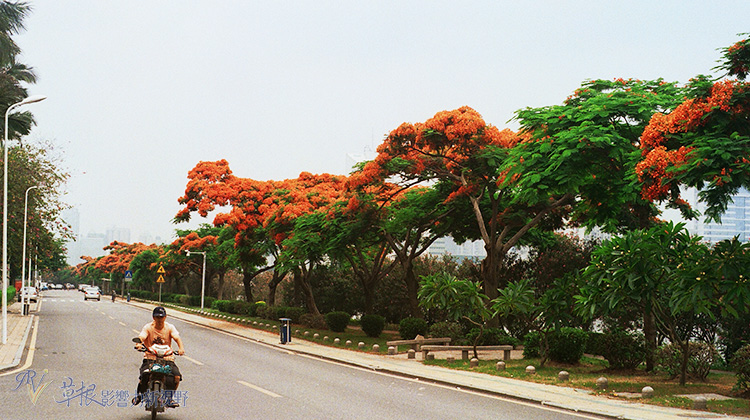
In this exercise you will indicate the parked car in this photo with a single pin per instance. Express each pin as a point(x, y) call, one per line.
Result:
point(92, 293)
point(31, 292)
point(83, 287)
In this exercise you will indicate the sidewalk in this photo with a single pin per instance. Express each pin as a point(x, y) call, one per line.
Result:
point(548, 395)
point(19, 327)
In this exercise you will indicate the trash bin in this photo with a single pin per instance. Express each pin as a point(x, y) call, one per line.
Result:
point(285, 330)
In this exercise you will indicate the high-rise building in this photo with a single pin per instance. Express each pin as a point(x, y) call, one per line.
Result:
point(734, 222)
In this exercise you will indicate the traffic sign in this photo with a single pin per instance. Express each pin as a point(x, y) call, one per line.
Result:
point(128, 276)
point(161, 269)
point(161, 279)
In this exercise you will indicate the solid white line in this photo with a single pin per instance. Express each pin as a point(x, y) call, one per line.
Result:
point(259, 389)
point(192, 360)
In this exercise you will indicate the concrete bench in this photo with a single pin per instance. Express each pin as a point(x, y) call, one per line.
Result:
point(465, 350)
point(418, 342)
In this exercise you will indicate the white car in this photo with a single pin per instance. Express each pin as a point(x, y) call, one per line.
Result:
point(92, 293)
point(31, 294)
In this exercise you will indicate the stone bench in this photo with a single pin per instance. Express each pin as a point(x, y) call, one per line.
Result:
point(418, 342)
point(465, 350)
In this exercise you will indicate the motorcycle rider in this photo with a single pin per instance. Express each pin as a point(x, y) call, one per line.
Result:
point(158, 332)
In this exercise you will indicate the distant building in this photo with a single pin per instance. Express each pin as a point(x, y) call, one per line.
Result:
point(734, 222)
point(468, 249)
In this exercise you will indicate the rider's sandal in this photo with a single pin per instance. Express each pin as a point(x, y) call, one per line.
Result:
point(136, 400)
point(172, 403)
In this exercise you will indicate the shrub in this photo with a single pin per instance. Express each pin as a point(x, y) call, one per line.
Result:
point(221, 305)
point(252, 309)
point(239, 307)
point(741, 366)
point(621, 349)
point(491, 337)
point(409, 328)
point(317, 322)
point(701, 358)
point(596, 344)
point(566, 345)
point(10, 293)
point(448, 329)
point(262, 310)
point(531, 344)
point(295, 314)
point(372, 324)
point(337, 321)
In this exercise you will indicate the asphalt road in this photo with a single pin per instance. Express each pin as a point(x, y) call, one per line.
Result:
point(84, 366)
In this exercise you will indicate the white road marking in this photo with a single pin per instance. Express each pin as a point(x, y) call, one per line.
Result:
point(111, 317)
point(259, 389)
point(192, 360)
point(122, 323)
point(136, 331)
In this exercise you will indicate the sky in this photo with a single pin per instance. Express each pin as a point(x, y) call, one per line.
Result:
point(139, 92)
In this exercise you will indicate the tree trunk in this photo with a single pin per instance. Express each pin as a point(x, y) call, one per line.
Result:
point(649, 333)
point(685, 345)
point(247, 284)
point(412, 288)
point(302, 278)
point(220, 286)
point(272, 285)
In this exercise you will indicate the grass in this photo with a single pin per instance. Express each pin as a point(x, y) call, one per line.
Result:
point(582, 375)
point(585, 374)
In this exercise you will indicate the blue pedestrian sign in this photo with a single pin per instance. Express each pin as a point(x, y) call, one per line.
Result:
point(128, 275)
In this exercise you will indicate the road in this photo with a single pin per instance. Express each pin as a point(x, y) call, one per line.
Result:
point(84, 366)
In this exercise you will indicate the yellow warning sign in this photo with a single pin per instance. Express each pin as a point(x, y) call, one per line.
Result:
point(161, 269)
point(161, 279)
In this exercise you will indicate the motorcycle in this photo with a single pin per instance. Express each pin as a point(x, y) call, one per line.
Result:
point(154, 400)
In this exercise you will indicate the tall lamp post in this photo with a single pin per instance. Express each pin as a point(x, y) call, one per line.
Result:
point(203, 279)
point(24, 295)
point(29, 100)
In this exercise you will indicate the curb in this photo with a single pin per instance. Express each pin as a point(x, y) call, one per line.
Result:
point(19, 353)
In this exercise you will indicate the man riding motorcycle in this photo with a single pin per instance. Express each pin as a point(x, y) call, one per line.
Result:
point(158, 332)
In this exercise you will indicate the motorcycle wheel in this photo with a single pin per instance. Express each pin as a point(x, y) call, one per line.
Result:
point(156, 395)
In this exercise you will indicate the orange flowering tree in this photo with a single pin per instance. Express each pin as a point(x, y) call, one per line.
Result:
point(704, 142)
point(263, 214)
point(248, 204)
point(460, 153)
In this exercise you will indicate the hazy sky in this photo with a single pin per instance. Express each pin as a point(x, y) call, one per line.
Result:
point(141, 91)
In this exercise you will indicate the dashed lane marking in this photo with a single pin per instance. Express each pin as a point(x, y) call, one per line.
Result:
point(259, 389)
point(192, 360)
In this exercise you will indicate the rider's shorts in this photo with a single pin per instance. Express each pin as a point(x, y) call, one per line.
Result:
point(146, 365)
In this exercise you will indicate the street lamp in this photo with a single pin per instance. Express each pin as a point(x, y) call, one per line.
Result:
point(203, 274)
point(23, 258)
point(29, 100)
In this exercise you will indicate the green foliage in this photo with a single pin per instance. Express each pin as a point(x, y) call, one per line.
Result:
point(741, 366)
point(317, 322)
point(10, 293)
point(566, 345)
point(454, 330)
point(733, 334)
point(492, 337)
point(294, 313)
point(372, 324)
point(701, 357)
point(221, 305)
point(532, 344)
point(337, 321)
point(622, 349)
point(409, 328)
point(458, 298)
